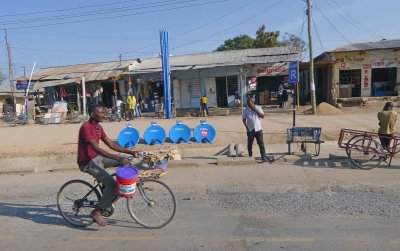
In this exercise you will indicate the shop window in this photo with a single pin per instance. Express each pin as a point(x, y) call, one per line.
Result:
point(350, 81)
point(384, 81)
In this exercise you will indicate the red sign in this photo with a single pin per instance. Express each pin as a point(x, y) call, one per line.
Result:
point(204, 133)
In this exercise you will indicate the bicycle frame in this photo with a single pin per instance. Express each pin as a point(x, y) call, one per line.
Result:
point(390, 151)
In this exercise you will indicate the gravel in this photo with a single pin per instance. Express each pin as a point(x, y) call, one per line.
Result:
point(335, 200)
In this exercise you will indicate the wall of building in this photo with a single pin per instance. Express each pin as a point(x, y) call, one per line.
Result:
point(365, 62)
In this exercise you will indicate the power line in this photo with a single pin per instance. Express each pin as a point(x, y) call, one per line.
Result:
point(319, 38)
point(235, 25)
point(97, 12)
point(352, 20)
point(67, 9)
point(216, 19)
point(118, 16)
point(332, 25)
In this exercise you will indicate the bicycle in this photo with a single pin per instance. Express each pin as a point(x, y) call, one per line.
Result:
point(153, 206)
point(13, 120)
point(364, 150)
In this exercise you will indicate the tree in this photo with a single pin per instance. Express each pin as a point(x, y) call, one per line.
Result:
point(237, 43)
point(295, 42)
point(266, 39)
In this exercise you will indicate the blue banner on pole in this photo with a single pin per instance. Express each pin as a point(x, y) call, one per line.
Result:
point(166, 72)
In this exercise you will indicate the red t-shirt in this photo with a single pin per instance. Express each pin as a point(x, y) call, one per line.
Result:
point(89, 130)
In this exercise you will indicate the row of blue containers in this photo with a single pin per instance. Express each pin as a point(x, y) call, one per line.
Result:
point(178, 134)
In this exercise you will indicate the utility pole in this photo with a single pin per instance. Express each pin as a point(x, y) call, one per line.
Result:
point(23, 67)
point(10, 74)
point(120, 58)
point(312, 84)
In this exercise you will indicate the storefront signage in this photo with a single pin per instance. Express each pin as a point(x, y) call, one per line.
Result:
point(273, 70)
point(383, 63)
point(366, 69)
point(21, 85)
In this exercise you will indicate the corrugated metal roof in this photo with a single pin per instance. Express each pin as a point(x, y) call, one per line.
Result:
point(219, 58)
point(379, 45)
point(80, 70)
point(102, 75)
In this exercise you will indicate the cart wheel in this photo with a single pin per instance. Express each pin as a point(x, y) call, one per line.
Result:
point(317, 148)
point(351, 142)
point(303, 147)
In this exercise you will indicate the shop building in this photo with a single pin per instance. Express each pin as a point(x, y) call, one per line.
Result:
point(363, 70)
point(218, 75)
point(104, 83)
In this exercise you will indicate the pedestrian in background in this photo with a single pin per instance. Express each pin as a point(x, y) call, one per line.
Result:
point(131, 100)
point(387, 121)
point(251, 120)
point(204, 107)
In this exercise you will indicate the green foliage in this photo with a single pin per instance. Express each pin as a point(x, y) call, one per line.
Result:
point(264, 39)
point(295, 42)
point(237, 43)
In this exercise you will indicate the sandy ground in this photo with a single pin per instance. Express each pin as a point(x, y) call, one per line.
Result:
point(34, 139)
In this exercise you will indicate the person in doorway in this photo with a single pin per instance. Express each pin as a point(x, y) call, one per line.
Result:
point(118, 105)
point(204, 107)
point(237, 99)
point(251, 120)
point(282, 94)
point(131, 100)
point(94, 160)
point(387, 120)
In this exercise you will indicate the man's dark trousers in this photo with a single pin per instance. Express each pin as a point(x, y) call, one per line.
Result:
point(259, 138)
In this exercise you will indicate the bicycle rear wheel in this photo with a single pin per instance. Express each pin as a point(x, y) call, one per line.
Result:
point(366, 153)
point(154, 204)
point(75, 200)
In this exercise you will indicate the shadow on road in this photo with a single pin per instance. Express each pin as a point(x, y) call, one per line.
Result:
point(42, 214)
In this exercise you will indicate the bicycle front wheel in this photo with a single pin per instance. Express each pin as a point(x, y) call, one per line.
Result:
point(154, 204)
point(75, 200)
point(366, 153)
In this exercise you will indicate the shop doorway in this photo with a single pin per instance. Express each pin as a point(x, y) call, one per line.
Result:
point(384, 81)
point(226, 88)
point(267, 90)
point(108, 96)
point(350, 83)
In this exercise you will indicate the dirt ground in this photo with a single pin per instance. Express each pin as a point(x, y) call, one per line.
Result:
point(34, 139)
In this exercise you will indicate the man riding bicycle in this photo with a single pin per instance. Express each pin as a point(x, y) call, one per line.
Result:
point(94, 160)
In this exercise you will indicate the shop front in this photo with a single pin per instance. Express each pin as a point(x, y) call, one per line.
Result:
point(366, 74)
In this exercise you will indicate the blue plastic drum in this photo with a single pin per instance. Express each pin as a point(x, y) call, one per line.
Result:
point(204, 133)
point(128, 137)
point(179, 133)
point(154, 134)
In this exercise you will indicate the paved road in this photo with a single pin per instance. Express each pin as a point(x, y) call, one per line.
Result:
point(255, 207)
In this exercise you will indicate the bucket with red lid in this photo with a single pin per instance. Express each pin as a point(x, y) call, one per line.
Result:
point(126, 181)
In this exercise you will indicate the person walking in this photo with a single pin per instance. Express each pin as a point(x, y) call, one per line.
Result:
point(387, 120)
point(251, 120)
point(204, 107)
point(94, 160)
point(131, 100)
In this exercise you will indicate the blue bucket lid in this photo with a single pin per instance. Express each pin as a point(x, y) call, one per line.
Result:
point(127, 172)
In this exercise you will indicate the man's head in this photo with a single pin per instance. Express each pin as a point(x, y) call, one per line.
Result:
point(204, 96)
point(388, 106)
point(250, 101)
point(96, 112)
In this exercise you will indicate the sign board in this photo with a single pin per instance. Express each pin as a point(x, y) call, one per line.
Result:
point(293, 72)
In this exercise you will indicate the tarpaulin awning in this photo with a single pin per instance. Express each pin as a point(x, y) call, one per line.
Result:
point(38, 85)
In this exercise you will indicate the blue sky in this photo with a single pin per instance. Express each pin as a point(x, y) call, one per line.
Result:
point(61, 32)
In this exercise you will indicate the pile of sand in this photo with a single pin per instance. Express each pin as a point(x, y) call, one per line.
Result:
point(327, 109)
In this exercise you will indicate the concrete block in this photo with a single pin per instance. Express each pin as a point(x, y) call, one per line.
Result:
point(236, 161)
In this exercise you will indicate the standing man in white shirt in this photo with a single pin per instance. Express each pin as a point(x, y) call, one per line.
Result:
point(251, 120)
